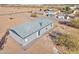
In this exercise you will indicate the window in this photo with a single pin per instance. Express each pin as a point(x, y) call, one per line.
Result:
point(38, 32)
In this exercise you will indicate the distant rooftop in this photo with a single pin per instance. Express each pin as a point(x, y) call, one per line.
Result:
point(26, 29)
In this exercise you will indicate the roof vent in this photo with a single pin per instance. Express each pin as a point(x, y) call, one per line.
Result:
point(40, 23)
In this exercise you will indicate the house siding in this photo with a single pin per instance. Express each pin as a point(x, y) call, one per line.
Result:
point(17, 38)
point(30, 38)
point(45, 29)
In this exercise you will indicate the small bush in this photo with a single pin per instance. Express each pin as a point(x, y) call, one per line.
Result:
point(11, 18)
point(29, 11)
point(75, 22)
point(33, 15)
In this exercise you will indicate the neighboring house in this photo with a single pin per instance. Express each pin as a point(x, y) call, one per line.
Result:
point(49, 13)
point(50, 9)
point(63, 17)
point(76, 11)
point(38, 12)
point(72, 15)
point(27, 32)
point(72, 8)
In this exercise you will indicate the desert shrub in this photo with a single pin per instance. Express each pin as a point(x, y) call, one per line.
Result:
point(11, 18)
point(33, 15)
point(67, 8)
point(75, 22)
point(29, 11)
point(68, 42)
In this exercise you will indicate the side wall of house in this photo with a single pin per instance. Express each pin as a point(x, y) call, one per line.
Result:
point(46, 29)
point(16, 37)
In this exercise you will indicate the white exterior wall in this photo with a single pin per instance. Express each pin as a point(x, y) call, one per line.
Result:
point(44, 30)
point(30, 38)
point(17, 38)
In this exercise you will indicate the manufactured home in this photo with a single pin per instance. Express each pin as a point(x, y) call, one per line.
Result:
point(63, 17)
point(38, 12)
point(27, 32)
point(49, 13)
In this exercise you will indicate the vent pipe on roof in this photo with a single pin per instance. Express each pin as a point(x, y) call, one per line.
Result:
point(40, 23)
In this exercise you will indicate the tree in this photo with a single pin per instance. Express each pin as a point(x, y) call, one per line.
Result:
point(67, 9)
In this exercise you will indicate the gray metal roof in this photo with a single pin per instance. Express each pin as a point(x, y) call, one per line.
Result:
point(27, 29)
point(51, 12)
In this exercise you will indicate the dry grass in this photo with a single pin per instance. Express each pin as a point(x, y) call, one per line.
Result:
point(69, 41)
point(75, 22)
point(33, 15)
